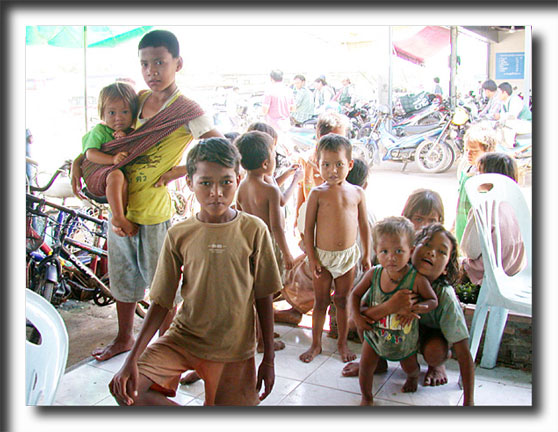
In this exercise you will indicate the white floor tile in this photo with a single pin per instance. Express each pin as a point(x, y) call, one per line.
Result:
point(329, 375)
point(446, 395)
point(495, 394)
point(196, 389)
point(112, 364)
point(313, 395)
point(281, 388)
point(289, 365)
point(84, 386)
point(302, 337)
point(108, 401)
point(505, 376)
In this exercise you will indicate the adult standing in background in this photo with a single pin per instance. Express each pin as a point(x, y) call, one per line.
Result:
point(322, 95)
point(438, 87)
point(304, 101)
point(492, 109)
point(278, 103)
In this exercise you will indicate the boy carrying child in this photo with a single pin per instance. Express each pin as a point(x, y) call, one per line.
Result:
point(226, 261)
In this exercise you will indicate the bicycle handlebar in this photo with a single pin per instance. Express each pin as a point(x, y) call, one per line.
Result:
point(72, 212)
point(63, 168)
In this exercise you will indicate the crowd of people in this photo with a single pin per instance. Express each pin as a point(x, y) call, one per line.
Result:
point(213, 278)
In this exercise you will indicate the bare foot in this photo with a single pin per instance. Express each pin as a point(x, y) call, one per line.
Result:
point(309, 355)
point(410, 385)
point(130, 228)
point(346, 354)
point(435, 376)
point(114, 348)
point(366, 402)
point(277, 346)
point(276, 335)
point(351, 369)
point(289, 316)
point(189, 378)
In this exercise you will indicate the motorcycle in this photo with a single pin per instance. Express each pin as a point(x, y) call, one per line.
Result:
point(383, 145)
point(448, 144)
point(433, 114)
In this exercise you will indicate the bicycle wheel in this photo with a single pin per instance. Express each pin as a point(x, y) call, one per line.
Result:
point(47, 290)
point(141, 308)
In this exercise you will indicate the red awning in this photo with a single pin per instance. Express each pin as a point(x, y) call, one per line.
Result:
point(427, 42)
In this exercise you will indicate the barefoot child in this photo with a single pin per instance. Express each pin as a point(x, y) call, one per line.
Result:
point(336, 210)
point(423, 207)
point(262, 199)
point(118, 108)
point(389, 332)
point(225, 259)
point(293, 170)
point(435, 257)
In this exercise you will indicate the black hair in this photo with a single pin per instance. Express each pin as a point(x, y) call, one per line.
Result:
point(218, 150)
point(276, 75)
point(300, 77)
point(359, 173)
point(231, 136)
point(437, 80)
point(334, 142)
point(394, 225)
point(423, 201)
point(506, 87)
point(255, 149)
point(158, 38)
point(321, 80)
point(263, 127)
point(498, 163)
point(489, 85)
point(452, 268)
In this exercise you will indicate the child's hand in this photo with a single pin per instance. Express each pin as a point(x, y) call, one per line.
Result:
point(266, 374)
point(119, 134)
point(365, 263)
point(124, 384)
point(119, 157)
point(363, 322)
point(407, 319)
point(403, 301)
point(316, 269)
point(288, 261)
point(298, 174)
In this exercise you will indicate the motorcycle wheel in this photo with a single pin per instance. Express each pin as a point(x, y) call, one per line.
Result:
point(362, 152)
point(47, 290)
point(431, 157)
point(450, 158)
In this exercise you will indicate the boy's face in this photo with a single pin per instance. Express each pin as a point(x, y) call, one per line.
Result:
point(334, 166)
point(158, 67)
point(393, 252)
point(474, 151)
point(431, 256)
point(117, 115)
point(214, 186)
point(271, 161)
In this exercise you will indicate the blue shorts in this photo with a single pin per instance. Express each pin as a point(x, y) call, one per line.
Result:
point(132, 261)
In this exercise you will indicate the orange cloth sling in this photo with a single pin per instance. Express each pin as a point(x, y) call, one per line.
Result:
point(162, 124)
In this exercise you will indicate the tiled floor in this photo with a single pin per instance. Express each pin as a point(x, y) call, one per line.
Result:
point(318, 383)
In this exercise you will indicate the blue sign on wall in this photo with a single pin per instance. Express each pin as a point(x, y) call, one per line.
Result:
point(510, 65)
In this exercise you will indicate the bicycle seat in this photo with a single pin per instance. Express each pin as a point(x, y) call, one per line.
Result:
point(98, 199)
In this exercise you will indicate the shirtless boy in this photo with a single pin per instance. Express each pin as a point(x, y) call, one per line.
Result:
point(256, 196)
point(336, 210)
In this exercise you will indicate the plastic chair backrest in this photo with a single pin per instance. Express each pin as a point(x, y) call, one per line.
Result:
point(44, 363)
point(486, 207)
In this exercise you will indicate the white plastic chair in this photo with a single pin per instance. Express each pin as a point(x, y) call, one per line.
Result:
point(499, 292)
point(44, 363)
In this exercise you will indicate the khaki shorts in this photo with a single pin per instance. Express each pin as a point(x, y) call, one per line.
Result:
point(231, 383)
point(338, 262)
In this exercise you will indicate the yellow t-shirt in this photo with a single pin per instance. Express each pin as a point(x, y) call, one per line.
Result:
point(148, 205)
point(224, 267)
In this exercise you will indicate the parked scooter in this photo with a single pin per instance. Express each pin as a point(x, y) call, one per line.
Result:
point(386, 146)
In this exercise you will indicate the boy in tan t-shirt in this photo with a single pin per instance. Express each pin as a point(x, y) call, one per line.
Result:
point(226, 261)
